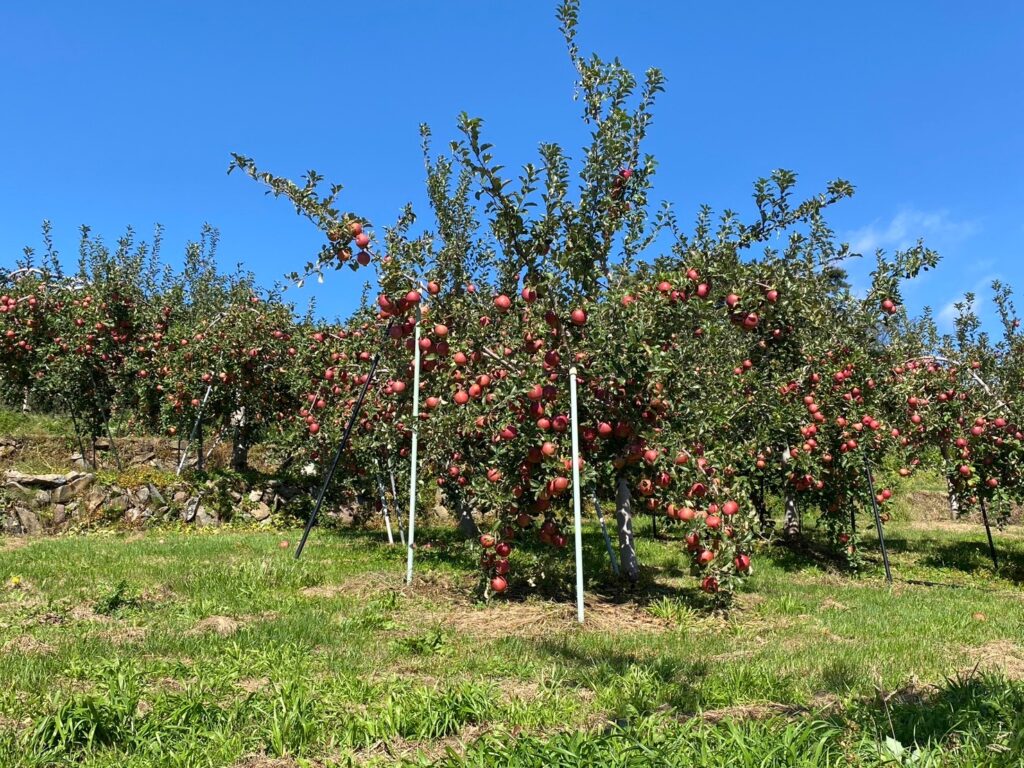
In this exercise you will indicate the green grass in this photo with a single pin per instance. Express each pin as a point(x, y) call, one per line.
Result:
point(331, 660)
point(17, 424)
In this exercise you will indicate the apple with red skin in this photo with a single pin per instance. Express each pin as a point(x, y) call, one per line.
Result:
point(499, 584)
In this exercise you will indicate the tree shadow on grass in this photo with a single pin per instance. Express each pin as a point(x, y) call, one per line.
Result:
point(967, 556)
point(646, 684)
point(983, 708)
point(806, 550)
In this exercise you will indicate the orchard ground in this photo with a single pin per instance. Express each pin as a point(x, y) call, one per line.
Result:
point(187, 648)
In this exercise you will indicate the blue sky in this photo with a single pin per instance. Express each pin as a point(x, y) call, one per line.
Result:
point(119, 113)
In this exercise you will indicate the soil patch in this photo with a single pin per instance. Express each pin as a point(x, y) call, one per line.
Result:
point(253, 684)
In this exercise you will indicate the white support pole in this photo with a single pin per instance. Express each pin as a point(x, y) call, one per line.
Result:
point(394, 499)
point(577, 514)
point(384, 509)
point(415, 444)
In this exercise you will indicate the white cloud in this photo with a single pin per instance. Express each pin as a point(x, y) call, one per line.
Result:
point(946, 316)
point(906, 227)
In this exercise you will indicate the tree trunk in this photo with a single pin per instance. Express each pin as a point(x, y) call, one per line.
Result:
point(757, 499)
point(790, 515)
point(467, 525)
point(791, 518)
point(624, 524)
point(954, 502)
point(242, 442)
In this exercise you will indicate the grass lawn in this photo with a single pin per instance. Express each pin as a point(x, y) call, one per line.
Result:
point(216, 648)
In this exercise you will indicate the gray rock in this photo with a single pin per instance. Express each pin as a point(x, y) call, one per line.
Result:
point(188, 514)
point(260, 512)
point(179, 497)
point(142, 495)
point(255, 496)
point(72, 489)
point(206, 516)
point(117, 504)
point(144, 458)
point(18, 491)
point(13, 476)
point(156, 496)
point(137, 514)
point(94, 501)
point(60, 514)
point(28, 521)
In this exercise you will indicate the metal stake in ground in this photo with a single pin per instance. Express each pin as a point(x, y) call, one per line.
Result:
point(341, 449)
point(988, 532)
point(878, 520)
point(415, 445)
point(577, 513)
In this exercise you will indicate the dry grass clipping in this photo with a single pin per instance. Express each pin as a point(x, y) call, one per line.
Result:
point(535, 619)
point(1002, 657)
point(224, 626)
point(26, 644)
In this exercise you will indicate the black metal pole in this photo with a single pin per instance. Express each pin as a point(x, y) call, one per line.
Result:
point(341, 449)
point(192, 435)
point(988, 532)
point(105, 419)
point(78, 435)
point(113, 448)
point(878, 520)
